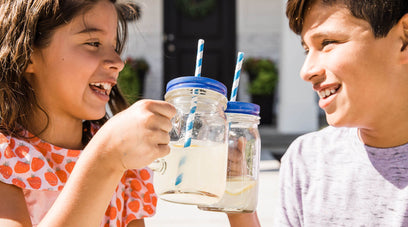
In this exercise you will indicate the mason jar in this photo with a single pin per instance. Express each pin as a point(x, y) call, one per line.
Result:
point(194, 172)
point(241, 193)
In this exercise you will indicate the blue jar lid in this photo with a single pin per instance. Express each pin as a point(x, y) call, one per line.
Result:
point(196, 82)
point(243, 108)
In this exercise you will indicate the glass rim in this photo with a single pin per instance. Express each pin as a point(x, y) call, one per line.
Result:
point(196, 82)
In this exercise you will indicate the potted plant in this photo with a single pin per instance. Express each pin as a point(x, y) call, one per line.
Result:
point(131, 79)
point(263, 78)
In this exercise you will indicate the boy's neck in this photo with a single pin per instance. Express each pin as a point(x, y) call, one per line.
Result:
point(389, 134)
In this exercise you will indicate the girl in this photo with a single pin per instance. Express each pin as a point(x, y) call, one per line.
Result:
point(59, 63)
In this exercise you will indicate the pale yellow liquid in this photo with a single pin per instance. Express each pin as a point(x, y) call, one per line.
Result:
point(241, 195)
point(204, 173)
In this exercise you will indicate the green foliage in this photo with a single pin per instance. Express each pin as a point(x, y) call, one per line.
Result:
point(130, 78)
point(196, 9)
point(129, 84)
point(263, 76)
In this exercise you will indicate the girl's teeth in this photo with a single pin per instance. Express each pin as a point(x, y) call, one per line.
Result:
point(103, 86)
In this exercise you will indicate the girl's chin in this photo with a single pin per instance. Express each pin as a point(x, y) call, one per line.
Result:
point(96, 116)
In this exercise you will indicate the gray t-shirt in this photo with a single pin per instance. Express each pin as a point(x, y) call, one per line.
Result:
point(330, 178)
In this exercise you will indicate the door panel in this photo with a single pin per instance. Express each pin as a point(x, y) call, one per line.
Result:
point(182, 32)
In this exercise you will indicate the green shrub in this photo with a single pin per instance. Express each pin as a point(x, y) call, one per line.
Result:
point(128, 83)
point(263, 76)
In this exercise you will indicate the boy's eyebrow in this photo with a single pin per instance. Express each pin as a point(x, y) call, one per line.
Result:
point(317, 35)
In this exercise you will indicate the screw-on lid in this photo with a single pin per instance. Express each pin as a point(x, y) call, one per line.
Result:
point(243, 108)
point(196, 82)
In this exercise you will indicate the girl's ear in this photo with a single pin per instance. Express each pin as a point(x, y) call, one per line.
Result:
point(404, 39)
point(30, 67)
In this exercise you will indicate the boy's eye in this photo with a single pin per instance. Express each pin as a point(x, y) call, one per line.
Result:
point(327, 42)
point(94, 44)
point(306, 51)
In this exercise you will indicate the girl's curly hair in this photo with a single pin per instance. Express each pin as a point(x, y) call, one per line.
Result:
point(25, 24)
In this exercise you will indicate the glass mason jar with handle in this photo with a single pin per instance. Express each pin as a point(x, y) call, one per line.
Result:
point(241, 193)
point(194, 172)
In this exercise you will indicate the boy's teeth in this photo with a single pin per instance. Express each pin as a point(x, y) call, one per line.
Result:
point(326, 93)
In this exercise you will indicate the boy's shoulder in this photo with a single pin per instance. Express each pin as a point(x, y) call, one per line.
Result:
point(328, 134)
point(328, 140)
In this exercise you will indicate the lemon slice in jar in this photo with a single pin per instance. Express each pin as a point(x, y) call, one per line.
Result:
point(239, 185)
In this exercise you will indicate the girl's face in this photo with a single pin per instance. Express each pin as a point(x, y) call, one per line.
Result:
point(73, 76)
point(354, 73)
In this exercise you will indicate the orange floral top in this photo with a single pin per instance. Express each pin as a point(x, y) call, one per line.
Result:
point(41, 170)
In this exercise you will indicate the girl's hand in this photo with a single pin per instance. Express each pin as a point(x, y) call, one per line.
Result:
point(138, 135)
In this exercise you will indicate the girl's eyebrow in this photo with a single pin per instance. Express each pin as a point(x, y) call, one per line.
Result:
point(90, 30)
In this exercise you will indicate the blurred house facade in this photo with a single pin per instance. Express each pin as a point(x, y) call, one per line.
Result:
point(259, 30)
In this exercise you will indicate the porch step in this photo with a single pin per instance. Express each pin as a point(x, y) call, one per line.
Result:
point(273, 143)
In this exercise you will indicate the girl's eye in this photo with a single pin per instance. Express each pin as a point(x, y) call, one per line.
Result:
point(94, 44)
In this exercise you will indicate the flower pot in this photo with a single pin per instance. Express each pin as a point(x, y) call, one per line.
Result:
point(266, 102)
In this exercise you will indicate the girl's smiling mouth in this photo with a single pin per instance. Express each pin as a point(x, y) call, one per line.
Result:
point(101, 88)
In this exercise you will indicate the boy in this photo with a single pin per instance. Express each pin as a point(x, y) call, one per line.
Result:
point(354, 172)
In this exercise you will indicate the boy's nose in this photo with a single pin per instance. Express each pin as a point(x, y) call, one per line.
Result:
point(312, 70)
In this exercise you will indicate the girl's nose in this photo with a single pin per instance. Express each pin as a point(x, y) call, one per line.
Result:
point(113, 61)
point(312, 69)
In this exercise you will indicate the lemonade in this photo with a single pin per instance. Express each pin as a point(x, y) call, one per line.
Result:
point(240, 196)
point(194, 175)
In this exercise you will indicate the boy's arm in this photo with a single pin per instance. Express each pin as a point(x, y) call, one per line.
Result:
point(244, 220)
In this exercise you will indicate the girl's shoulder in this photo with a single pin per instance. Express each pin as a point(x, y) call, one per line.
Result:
point(35, 164)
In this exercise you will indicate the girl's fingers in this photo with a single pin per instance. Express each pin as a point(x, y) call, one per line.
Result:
point(159, 107)
point(160, 122)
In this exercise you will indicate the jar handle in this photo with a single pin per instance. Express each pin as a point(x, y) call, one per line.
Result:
point(158, 165)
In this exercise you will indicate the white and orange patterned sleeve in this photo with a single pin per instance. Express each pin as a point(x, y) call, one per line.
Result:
point(23, 165)
point(134, 198)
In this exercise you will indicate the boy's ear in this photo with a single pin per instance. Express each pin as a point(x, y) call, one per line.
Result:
point(404, 38)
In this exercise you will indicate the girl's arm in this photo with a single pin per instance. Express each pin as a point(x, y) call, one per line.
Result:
point(132, 139)
point(13, 209)
point(87, 193)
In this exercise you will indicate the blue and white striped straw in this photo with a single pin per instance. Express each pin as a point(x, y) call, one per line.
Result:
point(190, 119)
point(191, 115)
point(199, 60)
point(193, 106)
point(235, 84)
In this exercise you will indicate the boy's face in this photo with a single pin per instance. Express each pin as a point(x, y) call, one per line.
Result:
point(356, 75)
point(73, 75)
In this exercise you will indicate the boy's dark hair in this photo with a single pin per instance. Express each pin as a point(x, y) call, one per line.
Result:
point(382, 15)
point(25, 24)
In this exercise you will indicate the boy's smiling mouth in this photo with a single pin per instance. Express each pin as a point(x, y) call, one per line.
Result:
point(324, 93)
point(102, 88)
